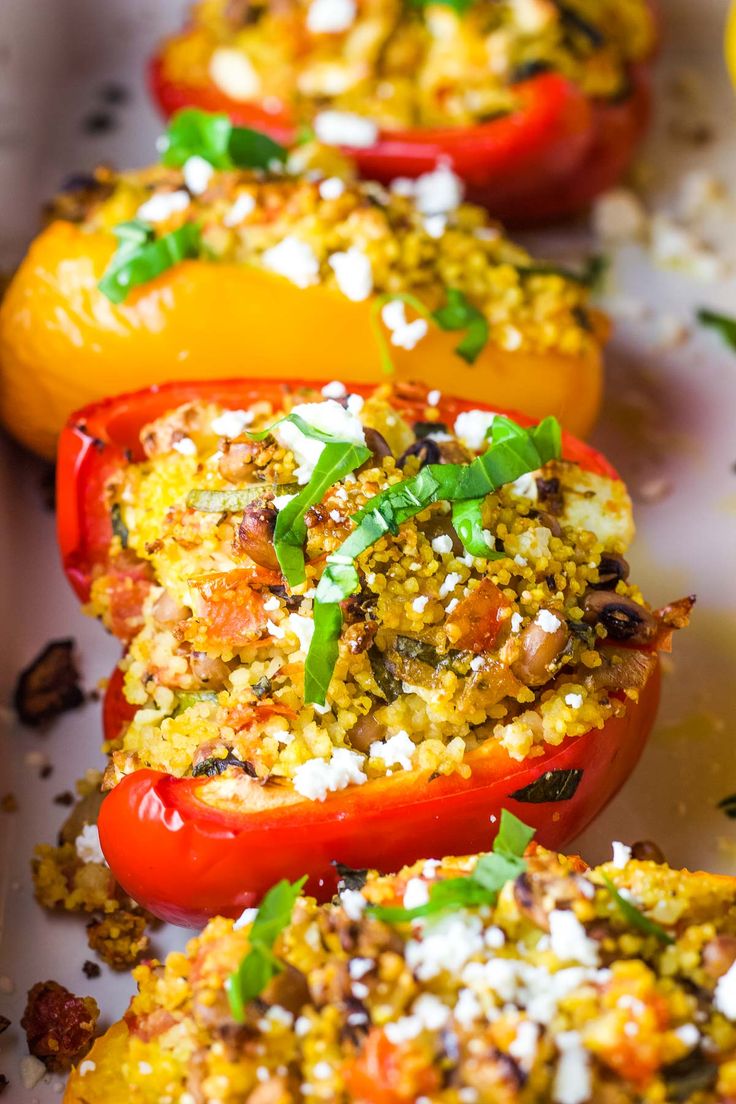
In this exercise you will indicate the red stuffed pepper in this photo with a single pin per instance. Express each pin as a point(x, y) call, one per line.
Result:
point(537, 106)
point(358, 625)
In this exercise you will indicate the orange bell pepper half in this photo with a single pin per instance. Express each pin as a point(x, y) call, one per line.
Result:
point(186, 855)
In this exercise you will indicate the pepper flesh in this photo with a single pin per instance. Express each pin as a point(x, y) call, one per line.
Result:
point(63, 344)
point(544, 162)
point(186, 857)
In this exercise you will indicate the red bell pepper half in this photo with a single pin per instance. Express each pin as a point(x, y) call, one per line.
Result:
point(545, 161)
point(184, 857)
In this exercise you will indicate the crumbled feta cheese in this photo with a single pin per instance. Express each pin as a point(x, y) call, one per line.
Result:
point(438, 192)
point(619, 216)
point(433, 398)
point(162, 206)
point(334, 390)
point(435, 225)
point(241, 208)
point(88, 1066)
point(674, 246)
point(397, 750)
point(442, 544)
point(575, 701)
point(197, 174)
point(699, 190)
point(419, 604)
point(688, 1034)
point(471, 427)
point(416, 893)
point(246, 917)
point(354, 405)
point(330, 417)
point(451, 580)
point(275, 630)
point(451, 605)
point(724, 999)
point(353, 273)
point(572, 1084)
point(294, 259)
point(276, 1014)
point(621, 853)
point(516, 622)
point(322, 1070)
point(447, 944)
point(524, 1046)
point(234, 74)
point(401, 1031)
point(526, 486)
point(359, 967)
point(547, 621)
point(231, 423)
point(344, 128)
point(569, 939)
point(87, 845)
point(318, 777)
point(494, 937)
point(303, 629)
point(477, 662)
point(430, 868)
point(185, 447)
point(279, 501)
point(353, 902)
point(145, 1068)
point(331, 188)
point(409, 336)
point(330, 16)
point(428, 1013)
point(31, 1071)
point(393, 314)
point(302, 1026)
point(467, 1008)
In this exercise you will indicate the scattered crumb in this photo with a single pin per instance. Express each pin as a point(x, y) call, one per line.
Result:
point(59, 1026)
point(31, 1071)
point(3, 1083)
point(66, 797)
point(119, 939)
point(4, 1024)
point(91, 969)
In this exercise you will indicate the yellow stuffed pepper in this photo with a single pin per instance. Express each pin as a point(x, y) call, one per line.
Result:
point(231, 258)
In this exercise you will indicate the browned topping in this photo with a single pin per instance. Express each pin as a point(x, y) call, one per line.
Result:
point(255, 535)
point(49, 685)
point(66, 797)
point(91, 969)
point(119, 939)
point(59, 1026)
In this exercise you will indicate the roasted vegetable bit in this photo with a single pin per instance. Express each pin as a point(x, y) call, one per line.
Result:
point(49, 686)
point(59, 1027)
point(119, 939)
point(215, 765)
point(557, 785)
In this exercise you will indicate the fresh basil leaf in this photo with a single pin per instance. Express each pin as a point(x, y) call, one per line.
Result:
point(635, 917)
point(260, 964)
point(323, 651)
point(195, 133)
point(556, 785)
point(338, 459)
point(512, 453)
point(459, 314)
point(233, 501)
point(140, 256)
point(467, 521)
point(482, 886)
point(723, 324)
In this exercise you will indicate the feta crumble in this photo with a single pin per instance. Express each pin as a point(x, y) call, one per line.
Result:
point(353, 273)
point(246, 917)
point(569, 939)
point(234, 74)
point(572, 1083)
point(243, 205)
point(185, 447)
point(330, 16)
point(420, 604)
point(328, 416)
point(162, 206)
point(450, 582)
point(197, 173)
point(415, 894)
point(353, 902)
point(318, 777)
point(442, 544)
point(471, 427)
point(344, 128)
point(621, 854)
point(575, 701)
point(87, 845)
point(231, 423)
point(331, 188)
point(397, 750)
point(294, 259)
point(334, 390)
point(725, 994)
point(547, 621)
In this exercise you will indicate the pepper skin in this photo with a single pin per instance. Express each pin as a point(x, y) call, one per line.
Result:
point(185, 858)
point(63, 344)
point(542, 163)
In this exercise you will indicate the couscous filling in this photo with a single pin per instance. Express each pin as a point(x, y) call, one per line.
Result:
point(403, 65)
point(524, 632)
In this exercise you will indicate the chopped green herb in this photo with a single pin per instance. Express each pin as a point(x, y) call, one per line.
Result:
point(119, 528)
point(260, 964)
point(721, 323)
point(556, 785)
point(467, 520)
point(634, 916)
point(512, 453)
point(591, 275)
point(141, 256)
point(482, 886)
point(195, 133)
point(459, 314)
point(234, 501)
point(727, 805)
point(460, 6)
point(185, 699)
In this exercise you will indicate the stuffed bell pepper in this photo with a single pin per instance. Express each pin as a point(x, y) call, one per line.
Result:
point(502, 977)
point(537, 105)
point(224, 259)
point(358, 623)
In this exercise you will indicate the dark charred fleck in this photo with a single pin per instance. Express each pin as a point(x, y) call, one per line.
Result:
point(528, 69)
point(556, 785)
point(98, 122)
point(66, 798)
point(3, 1083)
point(550, 493)
point(386, 682)
point(691, 1075)
point(46, 771)
point(214, 766)
point(49, 685)
point(4, 1024)
point(91, 970)
point(98, 444)
point(357, 1022)
point(349, 877)
point(262, 688)
point(291, 601)
point(622, 618)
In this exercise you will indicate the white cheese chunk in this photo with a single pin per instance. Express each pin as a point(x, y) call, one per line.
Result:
point(344, 128)
point(318, 777)
point(294, 259)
